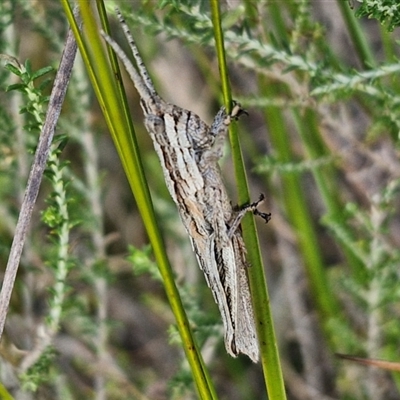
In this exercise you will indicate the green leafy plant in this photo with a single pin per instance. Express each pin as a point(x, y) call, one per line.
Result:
point(385, 11)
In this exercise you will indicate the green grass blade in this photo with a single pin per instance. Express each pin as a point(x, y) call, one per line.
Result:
point(264, 322)
point(358, 37)
point(113, 103)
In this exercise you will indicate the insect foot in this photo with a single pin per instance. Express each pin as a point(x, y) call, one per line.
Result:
point(254, 208)
point(241, 212)
point(236, 113)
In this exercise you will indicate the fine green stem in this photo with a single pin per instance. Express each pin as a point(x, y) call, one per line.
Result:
point(357, 35)
point(296, 209)
point(264, 322)
point(116, 112)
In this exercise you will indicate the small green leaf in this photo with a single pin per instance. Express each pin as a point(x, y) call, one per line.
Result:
point(41, 72)
point(16, 86)
point(12, 68)
point(28, 67)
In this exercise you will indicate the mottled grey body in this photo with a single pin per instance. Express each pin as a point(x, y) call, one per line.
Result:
point(189, 151)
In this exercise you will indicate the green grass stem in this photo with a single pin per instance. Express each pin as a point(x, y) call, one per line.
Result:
point(113, 103)
point(264, 321)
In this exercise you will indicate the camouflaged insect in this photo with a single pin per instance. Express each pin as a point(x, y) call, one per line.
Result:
point(189, 151)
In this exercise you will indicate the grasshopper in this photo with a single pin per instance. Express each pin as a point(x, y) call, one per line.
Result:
point(189, 151)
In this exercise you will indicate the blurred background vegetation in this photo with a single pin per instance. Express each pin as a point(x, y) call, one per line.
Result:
point(321, 142)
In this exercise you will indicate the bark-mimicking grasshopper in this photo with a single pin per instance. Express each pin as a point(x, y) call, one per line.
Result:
point(189, 151)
